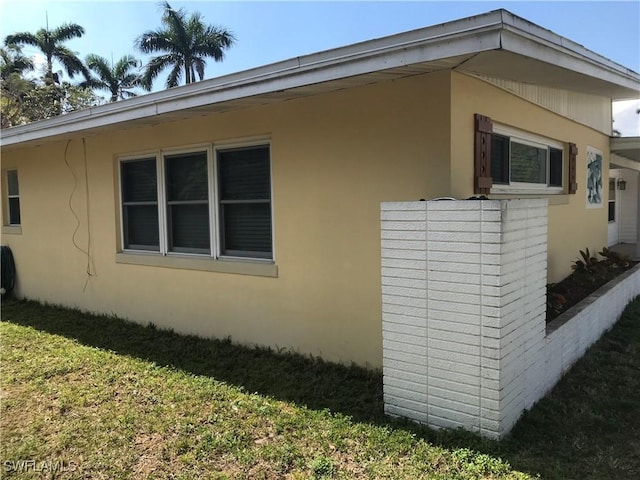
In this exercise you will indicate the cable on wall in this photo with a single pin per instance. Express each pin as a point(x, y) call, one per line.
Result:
point(75, 214)
point(86, 189)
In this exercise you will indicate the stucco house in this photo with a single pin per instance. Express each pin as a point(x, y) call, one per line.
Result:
point(249, 205)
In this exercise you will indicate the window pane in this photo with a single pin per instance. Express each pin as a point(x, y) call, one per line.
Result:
point(189, 228)
point(247, 229)
point(555, 167)
point(612, 211)
point(499, 159)
point(187, 177)
point(244, 174)
point(139, 181)
point(612, 189)
point(528, 163)
point(12, 182)
point(141, 227)
point(14, 211)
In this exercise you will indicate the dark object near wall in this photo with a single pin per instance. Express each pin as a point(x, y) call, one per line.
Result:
point(8, 271)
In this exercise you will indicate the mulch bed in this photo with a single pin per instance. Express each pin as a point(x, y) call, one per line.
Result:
point(580, 284)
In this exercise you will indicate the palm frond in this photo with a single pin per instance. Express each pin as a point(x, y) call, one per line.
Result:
point(100, 66)
point(71, 63)
point(22, 38)
point(174, 76)
point(66, 32)
point(156, 65)
point(124, 65)
point(155, 41)
point(175, 22)
point(199, 65)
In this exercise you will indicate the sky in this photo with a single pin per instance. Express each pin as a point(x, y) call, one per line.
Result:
point(270, 31)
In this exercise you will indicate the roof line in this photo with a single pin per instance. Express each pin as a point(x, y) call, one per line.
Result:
point(496, 30)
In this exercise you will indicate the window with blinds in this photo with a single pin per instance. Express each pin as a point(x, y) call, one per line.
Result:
point(13, 197)
point(244, 186)
point(184, 202)
point(187, 194)
point(139, 190)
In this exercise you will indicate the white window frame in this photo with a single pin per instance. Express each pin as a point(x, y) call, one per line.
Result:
point(213, 199)
point(9, 197)
point(162, 194)
point(229, 146)
point(527, 138)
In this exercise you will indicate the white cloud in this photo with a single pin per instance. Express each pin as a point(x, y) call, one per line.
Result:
point(625, 118)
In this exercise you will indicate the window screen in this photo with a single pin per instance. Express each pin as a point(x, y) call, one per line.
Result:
point(244, 183)
point(188, 203)
point(140, 204)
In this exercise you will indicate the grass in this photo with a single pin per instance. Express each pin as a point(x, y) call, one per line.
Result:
point(105, 398)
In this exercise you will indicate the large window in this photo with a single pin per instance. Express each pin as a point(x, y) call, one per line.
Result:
point(192, 202)
point(523, 161)
point(12, 198)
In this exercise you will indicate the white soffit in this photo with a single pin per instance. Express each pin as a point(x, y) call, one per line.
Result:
point(497, 44)
point(625, 150)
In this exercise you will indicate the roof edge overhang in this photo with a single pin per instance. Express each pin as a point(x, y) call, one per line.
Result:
point(498, 30)
point(528, 39)
point(626, 151)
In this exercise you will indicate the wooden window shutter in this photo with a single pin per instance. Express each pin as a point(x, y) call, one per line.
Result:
point(573, 154)
point(482, 155)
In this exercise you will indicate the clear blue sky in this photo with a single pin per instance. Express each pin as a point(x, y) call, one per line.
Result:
point(270, 31)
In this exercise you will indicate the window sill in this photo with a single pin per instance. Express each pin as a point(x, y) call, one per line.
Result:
point(553, 198)
point(525, 190)
point(12, 230)
point(240, 267)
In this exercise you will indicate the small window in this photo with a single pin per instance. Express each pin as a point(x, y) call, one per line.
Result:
point(13, 198)
point(187, 193)
point(139, 182)
point(525, 161)
point(612, 200)
point(244, 183)
point(555, 167)
point(500, 159)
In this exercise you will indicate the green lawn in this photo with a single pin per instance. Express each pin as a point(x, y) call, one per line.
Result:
point(96, 397)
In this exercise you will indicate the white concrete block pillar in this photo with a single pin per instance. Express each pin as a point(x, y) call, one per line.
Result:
point(463, 305)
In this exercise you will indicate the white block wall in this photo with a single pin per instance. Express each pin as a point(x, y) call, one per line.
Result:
point(463, 302)
point(572, 333)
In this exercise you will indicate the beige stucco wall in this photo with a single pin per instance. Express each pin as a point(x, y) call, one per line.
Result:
point(335, 157)
point(572, 226)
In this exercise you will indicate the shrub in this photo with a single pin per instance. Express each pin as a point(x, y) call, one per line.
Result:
point(589, 274)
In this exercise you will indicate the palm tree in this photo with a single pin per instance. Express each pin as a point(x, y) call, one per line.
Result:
point(185, 42)
point(50, 42)
point(14, 87)
point(118, 79)
point(12, 61)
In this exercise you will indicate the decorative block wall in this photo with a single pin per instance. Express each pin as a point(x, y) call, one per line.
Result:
point(572, 333)
point(463, 302)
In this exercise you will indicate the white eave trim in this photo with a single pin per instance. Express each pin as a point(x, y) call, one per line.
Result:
point(625, 149)
point(497, 30)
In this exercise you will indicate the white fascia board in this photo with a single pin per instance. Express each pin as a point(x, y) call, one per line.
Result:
point(530, 40)
point(390, 52)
